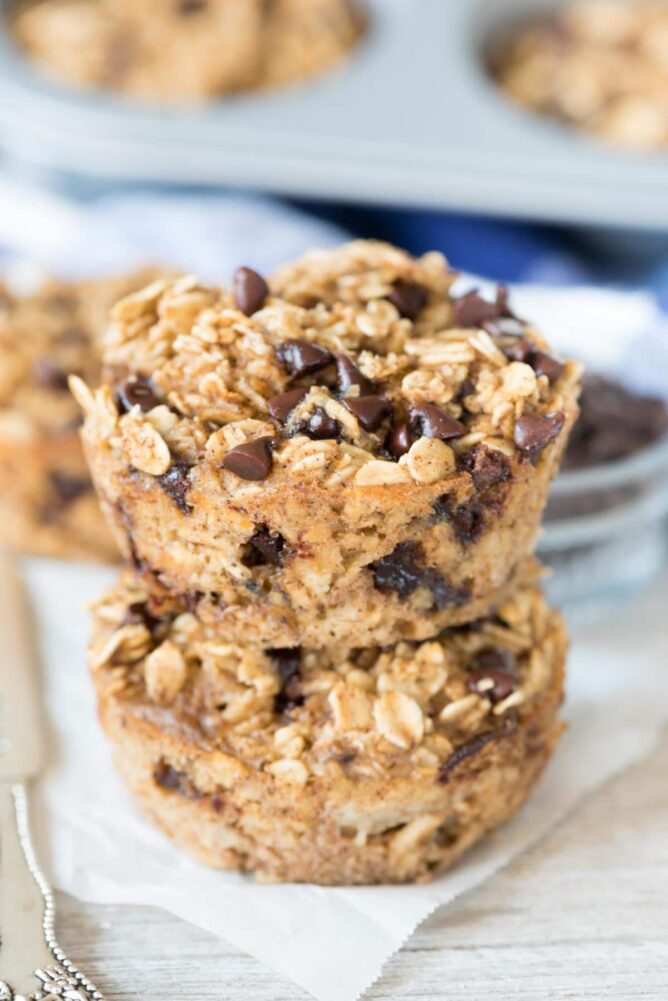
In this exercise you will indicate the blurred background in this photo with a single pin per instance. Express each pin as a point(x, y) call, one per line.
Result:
point(525, 139)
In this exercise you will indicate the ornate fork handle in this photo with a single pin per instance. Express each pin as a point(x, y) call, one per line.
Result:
point(33, 967)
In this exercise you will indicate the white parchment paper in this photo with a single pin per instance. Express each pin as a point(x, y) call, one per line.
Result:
point(333, 942)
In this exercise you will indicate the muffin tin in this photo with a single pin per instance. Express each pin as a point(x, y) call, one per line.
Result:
point(411, 118)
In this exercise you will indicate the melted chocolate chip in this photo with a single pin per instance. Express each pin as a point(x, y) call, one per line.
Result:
point(544, 364)
point(430, 421)
point(614, 422)
point(348, 374)
point(68, 487)
point(176, 484)
point(402, 572)
point(370, 411)
point(171, 779)
point(494, 685)
point(264, 548)
point(467, 519)
point(398, 441)
point(287, 662)
point(138, 614)
point(487, 466)
point(252, 460)
point(533, 432)
point(250, 290)
point(137, 391)
point(498, 667)
point(408, 298)
point(47, 375)
point(186, 7)
point(321, 426)
point(470, 748)
point(302, 358)
point(281, 406)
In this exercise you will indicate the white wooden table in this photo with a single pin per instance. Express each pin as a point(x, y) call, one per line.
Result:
point(583, 916)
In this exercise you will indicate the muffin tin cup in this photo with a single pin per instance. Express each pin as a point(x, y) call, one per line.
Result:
point(411, 117)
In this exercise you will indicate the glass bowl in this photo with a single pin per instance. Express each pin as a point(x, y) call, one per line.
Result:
point(605, 536)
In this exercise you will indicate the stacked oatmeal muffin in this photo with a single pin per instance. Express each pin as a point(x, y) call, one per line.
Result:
point(328, 659)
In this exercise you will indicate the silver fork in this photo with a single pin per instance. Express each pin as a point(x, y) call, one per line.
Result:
point(33, 967)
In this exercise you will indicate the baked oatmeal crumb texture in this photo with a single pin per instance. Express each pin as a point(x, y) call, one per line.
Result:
point(336, 765)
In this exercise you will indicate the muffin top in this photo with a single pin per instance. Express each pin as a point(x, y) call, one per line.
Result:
point(355, 364)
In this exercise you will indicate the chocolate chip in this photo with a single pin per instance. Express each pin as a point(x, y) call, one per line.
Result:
point(402, 572)
point(252, 460)
point(264, 548)
point(287, 662)
point(533, 432)
point(370, 411)
point(137, 391)
point(69, 487)
point(470, 748)
point(176, 484)
point(186, 7)
point(471, 310)
point(487, 466)
point(171, 779)
point(614, 422)
point(47, 375)
point(497, 318)
point(467, 519)
point(505, 326)
point(280, 406)
point(302, 358)
point(138, 614)
point(544, 364)
point(495, 683)
point(517, 349)
point(321, 426)
point(430, 421)
point(250, 290)
point(408, 298)
point(348, 374)
point(398, 441)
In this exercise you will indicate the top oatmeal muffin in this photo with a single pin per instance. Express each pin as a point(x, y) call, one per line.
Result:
point(350, 447)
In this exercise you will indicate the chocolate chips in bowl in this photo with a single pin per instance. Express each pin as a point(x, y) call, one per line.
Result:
point(605, 532)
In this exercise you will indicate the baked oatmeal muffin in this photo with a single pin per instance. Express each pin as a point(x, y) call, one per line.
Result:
point(184, 50)
point(334, 766)
point(47, 504)
point(600, 65)
point(355, 451)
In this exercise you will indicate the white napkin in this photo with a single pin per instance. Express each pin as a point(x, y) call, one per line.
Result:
point(332, 942)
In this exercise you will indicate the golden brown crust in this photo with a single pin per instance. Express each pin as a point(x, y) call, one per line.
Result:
point(377, 765)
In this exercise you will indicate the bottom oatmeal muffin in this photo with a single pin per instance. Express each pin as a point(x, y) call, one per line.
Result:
point(334, 766)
